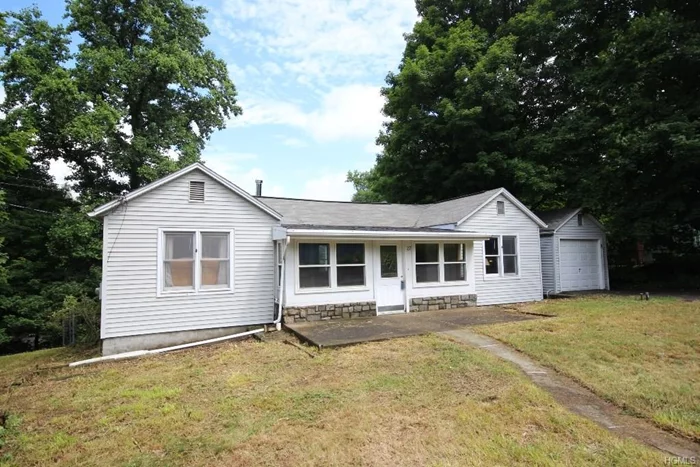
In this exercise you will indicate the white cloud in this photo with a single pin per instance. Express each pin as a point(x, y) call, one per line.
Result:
point(229, 164)
point(346, 112)
point(329, 187)
point(292, 142)
point(320, 38)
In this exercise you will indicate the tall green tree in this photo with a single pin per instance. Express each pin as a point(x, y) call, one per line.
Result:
point(126, 90)
point(138, 99)
point(580, 102)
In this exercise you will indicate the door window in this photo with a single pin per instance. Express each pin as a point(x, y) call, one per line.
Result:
point(388, 265)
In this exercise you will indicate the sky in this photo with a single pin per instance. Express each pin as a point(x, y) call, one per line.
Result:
point(308, 75)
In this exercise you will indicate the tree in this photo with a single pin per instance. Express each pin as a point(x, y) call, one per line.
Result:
point(138, 99)
point(456, 125)
point(134, 98)
point(591, 103)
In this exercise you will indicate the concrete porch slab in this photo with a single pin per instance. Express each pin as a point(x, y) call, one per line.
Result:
point(338, 333)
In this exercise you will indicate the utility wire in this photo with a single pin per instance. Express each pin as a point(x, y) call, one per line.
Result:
point(36, 187)
point(31, 209)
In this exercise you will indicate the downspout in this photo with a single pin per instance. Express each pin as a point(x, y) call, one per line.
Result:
point(283, 281)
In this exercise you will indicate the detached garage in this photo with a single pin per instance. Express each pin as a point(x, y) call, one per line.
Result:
point(574, 253)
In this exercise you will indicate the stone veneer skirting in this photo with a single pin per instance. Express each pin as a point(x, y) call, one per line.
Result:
point(442, 303)
point(324, 312)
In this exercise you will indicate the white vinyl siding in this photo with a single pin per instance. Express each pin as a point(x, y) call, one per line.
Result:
point(547, 249)
point(572, 231)
point(508, 288)
point(130, 302)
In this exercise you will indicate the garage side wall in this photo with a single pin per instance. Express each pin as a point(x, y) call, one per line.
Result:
point(547, 249)
point(588, 231)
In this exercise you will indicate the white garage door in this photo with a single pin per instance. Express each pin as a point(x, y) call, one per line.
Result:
point(579, 265)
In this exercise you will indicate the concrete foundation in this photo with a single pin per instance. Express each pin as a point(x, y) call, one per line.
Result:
point(115, 345)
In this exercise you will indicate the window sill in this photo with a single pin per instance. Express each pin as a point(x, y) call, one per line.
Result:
point(419, 285)
point(300, 291)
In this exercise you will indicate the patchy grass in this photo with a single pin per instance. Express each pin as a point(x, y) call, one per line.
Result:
point(413, 401)
point(642, 355)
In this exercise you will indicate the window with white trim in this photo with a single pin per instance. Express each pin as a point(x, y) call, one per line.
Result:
point(314, 265)
point(195, 260)
point(579, 219)
point(440, 262)
point(500, 207)
point(510, 254)
point(331, 265)
point(455, 262)
point(350, 264)
point(501, 255)
point(427, 262)
point(491, 255)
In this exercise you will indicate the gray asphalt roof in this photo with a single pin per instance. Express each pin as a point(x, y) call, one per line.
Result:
point(555, 217)
point(372, 215)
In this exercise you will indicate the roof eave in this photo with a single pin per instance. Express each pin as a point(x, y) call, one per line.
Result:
point(396, 234)
point(107, 207)
point(513, 200)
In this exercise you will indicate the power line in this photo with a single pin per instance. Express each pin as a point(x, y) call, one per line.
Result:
point(124, 203)
point(35, 187)
point(31, 209)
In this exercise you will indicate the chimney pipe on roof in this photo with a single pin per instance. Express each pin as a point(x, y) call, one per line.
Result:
point(258, 187)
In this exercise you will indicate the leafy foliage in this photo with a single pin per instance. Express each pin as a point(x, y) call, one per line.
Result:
point(124, 93)
point(569, 102)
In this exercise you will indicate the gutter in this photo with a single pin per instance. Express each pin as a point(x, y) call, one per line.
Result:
point(385, 234)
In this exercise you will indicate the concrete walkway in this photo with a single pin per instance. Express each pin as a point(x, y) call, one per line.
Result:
point(582, 401)
point(336, 333)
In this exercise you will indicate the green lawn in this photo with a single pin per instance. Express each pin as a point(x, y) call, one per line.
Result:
point(641, 355)
point(413, 401)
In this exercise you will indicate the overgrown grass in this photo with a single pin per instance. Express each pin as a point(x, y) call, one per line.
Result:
point(641, 355)
point(414, 401)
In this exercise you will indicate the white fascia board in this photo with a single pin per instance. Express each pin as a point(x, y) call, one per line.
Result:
point(105, 208)
point(513, 200)
point(371, 234)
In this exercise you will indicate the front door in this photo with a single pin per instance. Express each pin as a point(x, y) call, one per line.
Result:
point(389, 278)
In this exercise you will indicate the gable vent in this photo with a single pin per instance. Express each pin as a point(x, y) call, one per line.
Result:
point(196, 191)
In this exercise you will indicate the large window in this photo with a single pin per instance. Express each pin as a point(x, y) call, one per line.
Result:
point(501, 255)
point(194, 261)
point(440, 262)
point(314, 265)
point(492, 253)
point(428, 262)
point(350, 264)
point(455, 266)
point(328, 265)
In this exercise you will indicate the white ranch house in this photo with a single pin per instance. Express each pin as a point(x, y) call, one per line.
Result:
point(192, 256)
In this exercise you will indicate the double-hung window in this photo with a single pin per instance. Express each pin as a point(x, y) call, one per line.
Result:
point(440, 262)
point(314, 265)
point(427, 262)
point(350, 264)
point(331, 265)
point(193, 261)
point(455, 267)
point(501, 255)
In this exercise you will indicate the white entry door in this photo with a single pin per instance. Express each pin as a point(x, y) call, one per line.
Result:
point(389, 278)
point(579, 265)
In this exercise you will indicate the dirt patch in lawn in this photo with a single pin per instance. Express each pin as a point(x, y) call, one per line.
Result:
point(411, 401)
point(642, 355)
